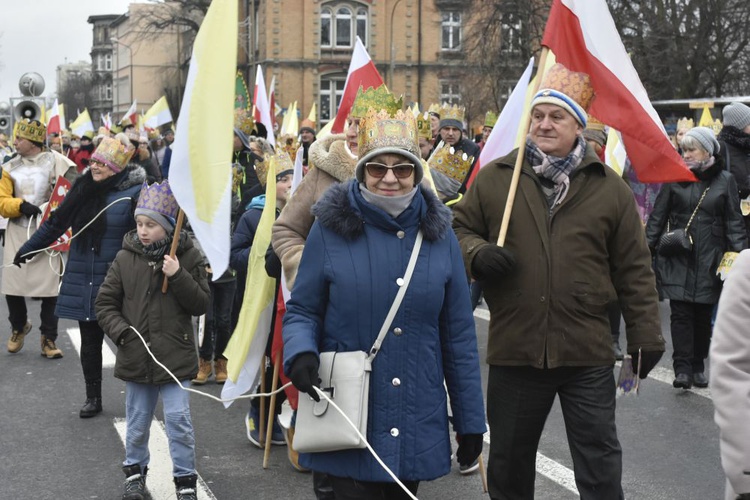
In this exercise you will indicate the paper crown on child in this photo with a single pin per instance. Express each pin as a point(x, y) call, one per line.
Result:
point(424, 128)
point(451, 163)
point(490, 119)
point(34, 131)
point(382, 132)
point(377, 98)
point(158, 202)
point(113, 153)
point(280, 164)
point(570, 90)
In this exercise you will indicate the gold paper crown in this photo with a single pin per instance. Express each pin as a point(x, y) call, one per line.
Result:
point(434, 109)
point(30, 130)
point(424, 128)
point(716, 126)
point(113, 153)
point(490, 119)
point(376, 98)
point(381, 129)
point(451, 163)
point(243, 120)
point(576, 86)
point(685, 123)
point(594, 124)
point(289, 144)
point(278, 162)
point(455, 112)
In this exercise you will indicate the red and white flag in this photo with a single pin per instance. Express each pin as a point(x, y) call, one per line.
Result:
point(272, 102)
point(262, 112)
point(53, 122)
point(362, 73)
point(131, 114)
point(583, 36)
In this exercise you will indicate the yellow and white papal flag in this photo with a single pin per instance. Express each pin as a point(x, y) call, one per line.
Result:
point(615, 155)
point(200, 176)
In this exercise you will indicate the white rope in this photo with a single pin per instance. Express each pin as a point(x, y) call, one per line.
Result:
point(251, 396)
point(33, 252)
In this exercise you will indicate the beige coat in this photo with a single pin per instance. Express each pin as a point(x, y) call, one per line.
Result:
point(29, 179)
point(332, 162)
point(730, 376)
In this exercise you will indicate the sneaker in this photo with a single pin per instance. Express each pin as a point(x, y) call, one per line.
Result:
point(204, 372)
point(49, 349)
point(469, 469)
point(291, 453)
point(135, 483)
point(185, 487)
point(15, 342)
point(220, 370)
point(251, 425)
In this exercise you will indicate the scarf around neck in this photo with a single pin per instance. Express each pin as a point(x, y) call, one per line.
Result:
point(392, 205)
point(555, 169)
point(735, 137)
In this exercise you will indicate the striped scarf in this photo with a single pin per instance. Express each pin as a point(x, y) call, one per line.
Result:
point(555, 169)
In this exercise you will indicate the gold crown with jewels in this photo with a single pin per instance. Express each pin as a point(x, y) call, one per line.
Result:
point(451, 163)
point(30, 130)
point(243, 120)
point(113, 153)
point(276, 163)
point(424, 128)
point(376, 98)
point(381, 129)
point(454, 112)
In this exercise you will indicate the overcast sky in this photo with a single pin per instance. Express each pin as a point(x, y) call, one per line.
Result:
point(39, 35)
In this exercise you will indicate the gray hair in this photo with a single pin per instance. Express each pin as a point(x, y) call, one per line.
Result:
point(690, 143)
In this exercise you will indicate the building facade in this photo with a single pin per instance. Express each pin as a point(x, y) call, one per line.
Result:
point(101, 66)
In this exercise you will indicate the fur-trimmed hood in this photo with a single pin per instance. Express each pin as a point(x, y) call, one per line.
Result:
point(332, 156)
point(336, 210)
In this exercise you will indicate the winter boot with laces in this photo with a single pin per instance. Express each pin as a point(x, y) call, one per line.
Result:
point(204, 372)
point(186, 487)
point(15, 342)
point(220, 370)
point(49, 349)
point(135, 483)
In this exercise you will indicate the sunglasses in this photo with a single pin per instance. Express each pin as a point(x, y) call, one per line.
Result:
point(378, 170)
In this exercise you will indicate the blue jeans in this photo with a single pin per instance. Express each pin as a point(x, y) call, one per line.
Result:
point(140, 403)
point(519, 398)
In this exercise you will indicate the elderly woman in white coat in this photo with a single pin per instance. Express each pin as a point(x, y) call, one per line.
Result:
point(730, 381)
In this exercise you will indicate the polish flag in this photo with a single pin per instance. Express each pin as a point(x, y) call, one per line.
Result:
point(583, 36)
point(362, 73)
point(262, 113)
point(132, 114)
point(504, 136)
point(53, 124)
point(272, 102)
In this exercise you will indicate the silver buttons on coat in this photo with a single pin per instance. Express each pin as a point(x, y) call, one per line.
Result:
point(394, 432)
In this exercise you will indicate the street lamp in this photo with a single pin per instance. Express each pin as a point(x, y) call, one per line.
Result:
point(130, 78)
point(393, 46)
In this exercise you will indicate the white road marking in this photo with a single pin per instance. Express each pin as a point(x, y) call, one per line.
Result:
point(108, 357)
point(482, 314)
point(159, 481)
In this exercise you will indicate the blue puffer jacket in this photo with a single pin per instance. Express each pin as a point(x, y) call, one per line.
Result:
point(345, 286)
point(86, 269)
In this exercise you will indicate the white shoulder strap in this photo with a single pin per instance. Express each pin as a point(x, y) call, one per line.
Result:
point(399, 297)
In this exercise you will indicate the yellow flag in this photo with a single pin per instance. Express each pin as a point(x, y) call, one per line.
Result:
point(313, 116)
point(706, 119)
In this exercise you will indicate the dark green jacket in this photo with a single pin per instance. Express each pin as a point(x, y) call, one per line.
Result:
point(131, 295)
point(550, 310)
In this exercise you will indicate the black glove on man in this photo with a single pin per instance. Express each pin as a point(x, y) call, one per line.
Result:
point(492, 262)
point(20, 258)
point(469, 448)
point(29, 210)
point(649, 359)
point(304, 374)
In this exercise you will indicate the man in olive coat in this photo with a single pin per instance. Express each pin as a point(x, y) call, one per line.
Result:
point(575, 240)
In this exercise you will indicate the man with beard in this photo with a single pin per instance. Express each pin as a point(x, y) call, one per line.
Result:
point(735, 147)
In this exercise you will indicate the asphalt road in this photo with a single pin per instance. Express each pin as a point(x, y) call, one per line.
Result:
point(670, 442)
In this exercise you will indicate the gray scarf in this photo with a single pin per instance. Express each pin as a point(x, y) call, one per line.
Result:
point(555, 169)
point(392, 205)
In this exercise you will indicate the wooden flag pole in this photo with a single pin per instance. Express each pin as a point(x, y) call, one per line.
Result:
point(175, 243)
point(262, 417)
point(525, 122)
point(272, 408)
point(483, 474)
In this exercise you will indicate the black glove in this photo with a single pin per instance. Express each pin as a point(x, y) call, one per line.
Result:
point(649, 359)
point(29, 210)
point(20, 258)
point(304, 374)
point(469, 448)
point(2, 236)
point(492, 262)
point(273, 263)
point(743, 496)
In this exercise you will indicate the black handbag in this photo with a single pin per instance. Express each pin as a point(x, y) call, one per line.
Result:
point(679, 241)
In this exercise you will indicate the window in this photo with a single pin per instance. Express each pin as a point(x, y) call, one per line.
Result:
point(108, 62)
point(108, 91)
point(340, 23)
point(99, 63)
point(451, 25)
point(511, 33)
point(450, 93)
point(331, 92)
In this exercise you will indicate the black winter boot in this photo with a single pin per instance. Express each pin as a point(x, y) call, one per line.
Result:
point(93, 404)
point(135, 482)
point(185, 487)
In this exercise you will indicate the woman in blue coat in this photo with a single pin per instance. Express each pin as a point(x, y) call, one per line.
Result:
point(108, 179)
point(357, 249)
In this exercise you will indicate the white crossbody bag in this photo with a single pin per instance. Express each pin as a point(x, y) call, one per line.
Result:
point(345, 377)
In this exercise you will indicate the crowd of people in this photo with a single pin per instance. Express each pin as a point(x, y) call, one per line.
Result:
point(585, 249)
